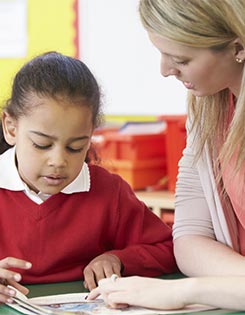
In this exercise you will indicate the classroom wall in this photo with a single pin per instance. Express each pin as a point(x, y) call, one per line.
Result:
point(115, 46)
point(112, 42)
point(50, 26)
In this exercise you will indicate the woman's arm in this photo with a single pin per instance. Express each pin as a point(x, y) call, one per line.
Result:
point(222, 292)
point(202, 244)
point(196, 249)
point(202, 256)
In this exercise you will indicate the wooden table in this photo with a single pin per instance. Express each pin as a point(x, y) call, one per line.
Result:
point(157, 200)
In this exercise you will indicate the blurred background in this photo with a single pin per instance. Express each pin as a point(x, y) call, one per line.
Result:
point(107, 35)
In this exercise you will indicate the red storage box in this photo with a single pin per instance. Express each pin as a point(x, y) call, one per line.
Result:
point(175, 144)
point(114, 145)
point(138, 173)
point(137, 157)
point(103, 130)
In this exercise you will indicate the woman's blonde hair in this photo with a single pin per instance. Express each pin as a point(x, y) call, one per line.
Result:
point(210, 24)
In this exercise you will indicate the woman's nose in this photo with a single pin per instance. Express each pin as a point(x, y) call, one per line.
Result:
point(167, 68)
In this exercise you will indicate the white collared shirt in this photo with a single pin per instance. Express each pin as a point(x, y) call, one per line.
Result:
point(10, 179)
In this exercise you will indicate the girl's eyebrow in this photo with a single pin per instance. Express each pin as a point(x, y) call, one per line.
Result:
point(41, 134)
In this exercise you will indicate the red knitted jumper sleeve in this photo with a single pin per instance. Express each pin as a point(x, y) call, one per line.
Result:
point(142, 241)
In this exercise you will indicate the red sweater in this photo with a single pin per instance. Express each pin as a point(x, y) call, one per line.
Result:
point(64, 233)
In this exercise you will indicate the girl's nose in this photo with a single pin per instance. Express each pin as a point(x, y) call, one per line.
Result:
point(167, 68)
point(57, 158)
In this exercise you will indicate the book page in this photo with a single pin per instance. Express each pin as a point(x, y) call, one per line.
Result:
point(75, 303)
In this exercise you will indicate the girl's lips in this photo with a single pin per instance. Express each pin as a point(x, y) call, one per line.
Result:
point(53, 181)
point(188, 85)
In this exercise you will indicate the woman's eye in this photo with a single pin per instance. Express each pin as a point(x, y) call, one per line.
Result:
point(184, 62)
point(41, 147)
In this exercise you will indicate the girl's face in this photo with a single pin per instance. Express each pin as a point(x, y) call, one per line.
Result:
point(51, 144)
point(203, 71)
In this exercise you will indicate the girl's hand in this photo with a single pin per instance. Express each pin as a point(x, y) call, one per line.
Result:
point(11, 277)
point(101, 267)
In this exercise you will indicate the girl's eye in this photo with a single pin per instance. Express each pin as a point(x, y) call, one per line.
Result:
point(74, 150)
point(45, 147)
point(41, 147)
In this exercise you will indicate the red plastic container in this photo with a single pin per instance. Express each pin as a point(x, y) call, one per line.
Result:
point(114, 145)
point(175, 144)
point(138, 173)
point(140, 159)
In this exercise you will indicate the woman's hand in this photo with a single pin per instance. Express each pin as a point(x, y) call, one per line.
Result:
point(144, 292)
point(101, 267)
point(11, 277)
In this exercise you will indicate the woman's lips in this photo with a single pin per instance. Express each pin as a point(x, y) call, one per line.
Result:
point(188, 85)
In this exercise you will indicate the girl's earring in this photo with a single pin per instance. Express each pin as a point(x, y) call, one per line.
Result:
point(239, 60)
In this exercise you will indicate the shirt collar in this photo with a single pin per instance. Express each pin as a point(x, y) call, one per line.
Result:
point(10, 178)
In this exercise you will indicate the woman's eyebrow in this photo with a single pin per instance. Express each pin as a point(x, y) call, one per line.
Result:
point(173, 56)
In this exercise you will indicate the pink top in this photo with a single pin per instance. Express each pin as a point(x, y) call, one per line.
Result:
point(235, 188)
point(236, 192)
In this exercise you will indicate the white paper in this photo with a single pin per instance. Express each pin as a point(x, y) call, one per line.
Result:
point(139, 128)
point(76, 303)
point(13, 28)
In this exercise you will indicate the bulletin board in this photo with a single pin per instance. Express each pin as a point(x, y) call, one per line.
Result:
point(51, 26)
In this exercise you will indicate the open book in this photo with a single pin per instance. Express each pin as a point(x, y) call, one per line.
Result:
point(76, 303)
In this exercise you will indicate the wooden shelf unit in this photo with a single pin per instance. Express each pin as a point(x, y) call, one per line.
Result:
point(161, 203)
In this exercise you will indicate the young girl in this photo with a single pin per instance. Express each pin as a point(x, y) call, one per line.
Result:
point(61, 218)
point(202, 44)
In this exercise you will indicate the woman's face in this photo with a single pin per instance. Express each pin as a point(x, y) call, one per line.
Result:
point(203, 71)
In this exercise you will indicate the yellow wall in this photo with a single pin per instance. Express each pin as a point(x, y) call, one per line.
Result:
point(50, 27)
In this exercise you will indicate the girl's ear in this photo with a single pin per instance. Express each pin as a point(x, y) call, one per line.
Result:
point(9, 125)
point(239, 50)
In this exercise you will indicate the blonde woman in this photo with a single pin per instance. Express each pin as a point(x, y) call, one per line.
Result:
point(202, 44)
